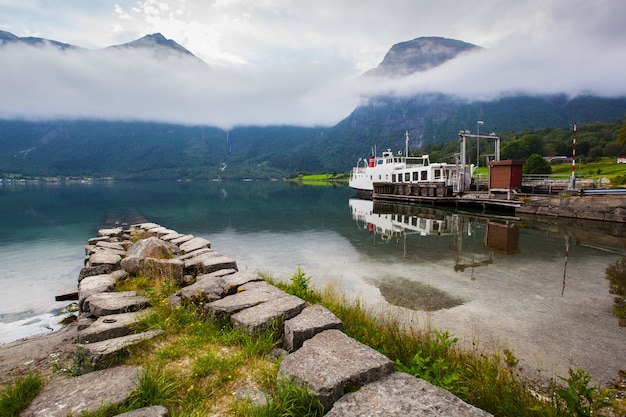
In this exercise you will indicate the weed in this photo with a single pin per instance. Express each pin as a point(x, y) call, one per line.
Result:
point(300, 284)
point(582, 400)
point(16, 397)
point(289, 400)
point(154, 387)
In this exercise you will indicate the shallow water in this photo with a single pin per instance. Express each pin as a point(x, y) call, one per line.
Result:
point(538, 289)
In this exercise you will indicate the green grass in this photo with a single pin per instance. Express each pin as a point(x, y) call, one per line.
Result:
point(202, 360)
point(16, 397)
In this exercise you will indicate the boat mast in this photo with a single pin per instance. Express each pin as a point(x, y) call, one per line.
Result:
point(406, 143)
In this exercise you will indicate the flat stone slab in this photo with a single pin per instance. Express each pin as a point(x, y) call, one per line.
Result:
point(236, 279)
point(107, 303)
point(104, 258)
point(110, 245)
point(101, 352)
point(83, 393)
point(195, 253)
point(401, 394)
point(331, 362)
point(71, 294)
point(264, 315)
point(206, 288)
point(248, 295)
point(154, 411)
point(209, 262)
point(311, 321)
point(111, 232)
point(90, 250)
point(182, 239)
point(110, 327)
point(94, 285)
point(194, 244)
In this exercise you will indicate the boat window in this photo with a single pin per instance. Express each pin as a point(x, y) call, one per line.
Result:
point(437, 174)
point(416, 176)
point(424, 176)
point(407, 176)
point(380, 162)
point(393, 177)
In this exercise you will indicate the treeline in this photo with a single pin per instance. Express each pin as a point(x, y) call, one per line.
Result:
point(593, 142)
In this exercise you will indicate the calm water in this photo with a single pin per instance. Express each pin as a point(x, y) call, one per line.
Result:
point(539, 289)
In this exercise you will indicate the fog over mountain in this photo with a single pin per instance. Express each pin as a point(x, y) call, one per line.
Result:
point(137, 82)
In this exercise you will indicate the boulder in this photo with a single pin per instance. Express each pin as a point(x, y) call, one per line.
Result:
point(401, 394)
point(151, 247)
point(85, 393)
point(331, 363)
point(311, 321)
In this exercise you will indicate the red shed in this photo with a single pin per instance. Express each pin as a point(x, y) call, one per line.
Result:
point(505, 175)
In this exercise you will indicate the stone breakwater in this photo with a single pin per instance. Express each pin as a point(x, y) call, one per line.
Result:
point(348, 378)
point(607, 208)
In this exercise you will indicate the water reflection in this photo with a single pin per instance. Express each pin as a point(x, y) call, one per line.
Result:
point(386, 221)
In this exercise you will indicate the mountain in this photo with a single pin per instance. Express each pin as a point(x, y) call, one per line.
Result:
point(7, 38)
point(158, 45)
point(420, 54)
point(141, 150)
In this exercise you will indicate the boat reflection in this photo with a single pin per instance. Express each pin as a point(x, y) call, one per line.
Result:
point(473, 238)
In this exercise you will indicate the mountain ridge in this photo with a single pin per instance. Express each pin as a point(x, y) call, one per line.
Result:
point(142, 150)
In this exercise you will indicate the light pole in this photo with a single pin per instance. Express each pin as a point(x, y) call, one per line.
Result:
point(478, 124)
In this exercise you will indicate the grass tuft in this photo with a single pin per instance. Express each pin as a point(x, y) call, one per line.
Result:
point(16, 397)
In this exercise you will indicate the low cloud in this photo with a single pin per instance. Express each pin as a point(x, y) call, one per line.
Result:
point(135, 84)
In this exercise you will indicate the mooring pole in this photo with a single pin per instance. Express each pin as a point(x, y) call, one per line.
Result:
point(573, 178)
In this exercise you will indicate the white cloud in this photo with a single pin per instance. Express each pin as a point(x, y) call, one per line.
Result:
point(289, 61)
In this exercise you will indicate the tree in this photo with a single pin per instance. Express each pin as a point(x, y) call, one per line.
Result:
point(536, 164)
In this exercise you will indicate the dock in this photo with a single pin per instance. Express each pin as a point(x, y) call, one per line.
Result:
point(434, 194)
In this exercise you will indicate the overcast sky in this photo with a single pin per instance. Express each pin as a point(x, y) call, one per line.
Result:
point(297, 61)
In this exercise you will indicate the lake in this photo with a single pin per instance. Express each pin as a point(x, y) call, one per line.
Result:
point(538, 287)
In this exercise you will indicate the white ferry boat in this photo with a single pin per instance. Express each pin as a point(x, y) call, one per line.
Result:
point(390, 168)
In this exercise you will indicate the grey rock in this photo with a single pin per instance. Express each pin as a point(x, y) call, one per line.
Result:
point(111, 326)
point(104, 304)
point(94, 285)
point(400, 394)
point(152, 247)
point(154, 411)
point(90, 250)
point(89, 271)
point(311, 321)
point(331, 362)
point(170, 236)
point(94, 240)
point(70, 294)
point(224, 272)
point(145, 226)
point(236, 279)
point(111, 232)
point(248, 295)
point(196, 253)
point(205, 289)
point(83, 393)
point(100, 353)
point(194, 244)
point(273, 312)
point(104, 258)
point(182, 239)
point(110, 245)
